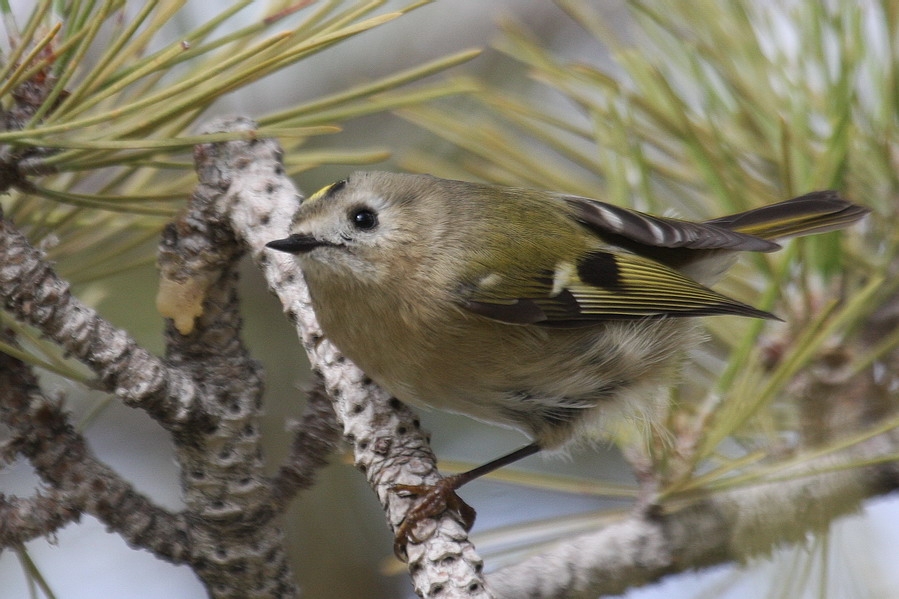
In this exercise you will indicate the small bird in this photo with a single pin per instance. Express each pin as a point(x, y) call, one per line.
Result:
point(546, 312)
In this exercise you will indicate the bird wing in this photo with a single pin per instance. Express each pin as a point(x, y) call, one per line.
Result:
point(602, 285)
point(628, 227)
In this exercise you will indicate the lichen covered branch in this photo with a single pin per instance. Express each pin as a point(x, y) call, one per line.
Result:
point(78, 482)
point(389, 446)
point(35, 294)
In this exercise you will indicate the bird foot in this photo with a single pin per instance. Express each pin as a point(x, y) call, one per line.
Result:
point(435, 500)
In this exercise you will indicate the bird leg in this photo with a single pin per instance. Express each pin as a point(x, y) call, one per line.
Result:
point(441, 497)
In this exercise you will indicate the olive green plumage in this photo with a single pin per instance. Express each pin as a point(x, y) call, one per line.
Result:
point(542, 311)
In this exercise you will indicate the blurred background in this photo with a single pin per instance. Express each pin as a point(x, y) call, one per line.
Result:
point(341, 545)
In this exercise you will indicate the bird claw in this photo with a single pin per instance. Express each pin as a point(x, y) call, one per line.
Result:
point(435, 500)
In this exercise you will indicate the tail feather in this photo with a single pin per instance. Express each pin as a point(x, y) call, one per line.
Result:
point(815, 212)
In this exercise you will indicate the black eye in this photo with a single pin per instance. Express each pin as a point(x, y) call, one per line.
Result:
point(364, 219)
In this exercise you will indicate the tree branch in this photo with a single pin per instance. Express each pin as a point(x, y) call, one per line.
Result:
point(315, 437)
point(207, 392)
point(33, 293)
point(24, 519)
point(389, 446)
point(727, 527)
point(239, 542)
point(79, 482)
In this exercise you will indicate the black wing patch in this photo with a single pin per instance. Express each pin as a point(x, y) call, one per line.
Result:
point(602, 286)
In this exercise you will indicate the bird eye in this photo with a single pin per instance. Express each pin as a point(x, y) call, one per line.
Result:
point(364, 219)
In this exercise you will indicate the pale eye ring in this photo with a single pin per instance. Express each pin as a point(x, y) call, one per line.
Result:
point(364, 219)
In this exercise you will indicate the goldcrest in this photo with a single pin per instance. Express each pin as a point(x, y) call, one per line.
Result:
point(537, 310)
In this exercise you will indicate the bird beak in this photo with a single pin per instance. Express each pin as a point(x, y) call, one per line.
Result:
point(296, 244)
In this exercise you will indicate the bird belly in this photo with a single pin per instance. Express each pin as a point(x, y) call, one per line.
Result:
point(580, 383)
point(553, 384)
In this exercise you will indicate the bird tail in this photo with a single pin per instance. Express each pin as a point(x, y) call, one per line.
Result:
point(815, 212)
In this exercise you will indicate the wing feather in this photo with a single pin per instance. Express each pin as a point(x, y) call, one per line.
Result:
point(614, 224)
point(603, 286)
point(630, 269)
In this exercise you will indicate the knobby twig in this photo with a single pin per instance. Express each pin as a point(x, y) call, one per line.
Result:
point(78, 482)
point(728, 527)
point(34, 294)
point(206, 391)
point(389, 446)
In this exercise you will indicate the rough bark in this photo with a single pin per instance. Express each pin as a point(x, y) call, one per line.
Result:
point(206, 391)
point(387, 441)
